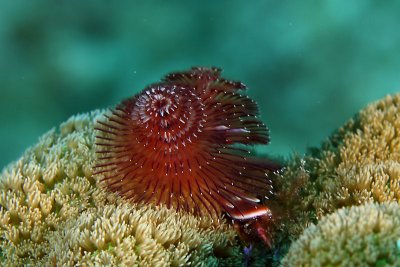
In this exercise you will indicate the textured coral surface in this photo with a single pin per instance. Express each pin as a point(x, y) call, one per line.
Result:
point(54, 213)
point(359, 164)
point(366, 235)
point(362, 161)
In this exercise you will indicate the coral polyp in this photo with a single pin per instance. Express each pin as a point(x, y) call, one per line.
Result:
point(172, 144)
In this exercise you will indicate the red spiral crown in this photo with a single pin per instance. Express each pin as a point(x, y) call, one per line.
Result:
point(172, 144)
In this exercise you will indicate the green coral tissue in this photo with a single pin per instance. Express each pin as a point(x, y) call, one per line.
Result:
point(366, 235)
point(358, 165)
point(336, 206)
point(53, 213)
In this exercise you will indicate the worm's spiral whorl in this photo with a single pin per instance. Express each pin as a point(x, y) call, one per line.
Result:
point(168, 113)
point(171, 144)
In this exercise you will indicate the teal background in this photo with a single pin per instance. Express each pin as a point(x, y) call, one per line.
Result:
point(310, 64)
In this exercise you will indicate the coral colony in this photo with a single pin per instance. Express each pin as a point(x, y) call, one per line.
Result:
point(172, 144)
point(53, 213)
point(181, 143)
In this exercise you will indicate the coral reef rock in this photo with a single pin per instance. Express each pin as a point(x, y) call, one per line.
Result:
point(358, 164)
point(366, 235)
point(54, 213)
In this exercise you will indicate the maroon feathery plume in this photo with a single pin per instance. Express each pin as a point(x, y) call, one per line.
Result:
point(173, 144)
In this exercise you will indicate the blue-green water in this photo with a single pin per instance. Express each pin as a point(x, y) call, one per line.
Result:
point(310, 64)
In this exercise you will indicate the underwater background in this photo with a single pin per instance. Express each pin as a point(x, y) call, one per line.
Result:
point(310, 64)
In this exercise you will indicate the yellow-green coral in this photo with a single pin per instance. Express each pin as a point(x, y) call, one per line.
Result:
point(364, 165)
point(54, 213)
point(360, 163)
point(366, 235)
